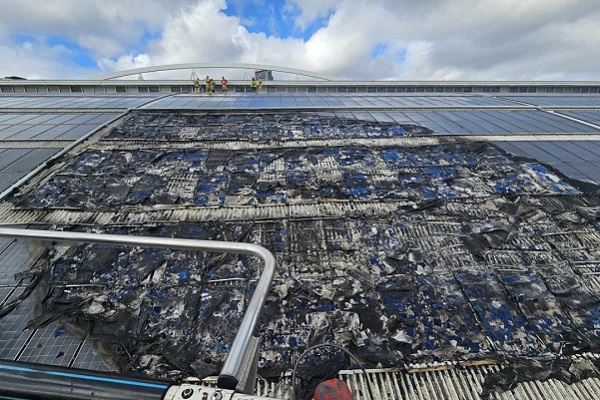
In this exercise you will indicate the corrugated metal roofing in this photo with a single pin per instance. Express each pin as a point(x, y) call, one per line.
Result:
point(442, 383)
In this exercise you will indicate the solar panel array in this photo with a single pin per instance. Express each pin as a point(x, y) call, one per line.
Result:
point(563, 144)
point(49, 126)
point(52, 344)
point(29, 121)
point(578, 160)
point(301, 100)
point(478, 122)
point(592, 117)
point(16, 163)
point(75, 101)
point(557, 101)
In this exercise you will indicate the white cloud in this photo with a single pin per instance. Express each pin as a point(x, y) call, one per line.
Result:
point(107, 27)
point(311, 10)
point(50, 62)
point(205, 34)
point(417, 39)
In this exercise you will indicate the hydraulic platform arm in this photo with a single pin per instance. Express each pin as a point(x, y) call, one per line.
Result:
point(239, 370)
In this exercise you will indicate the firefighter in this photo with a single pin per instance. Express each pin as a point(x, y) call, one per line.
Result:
point(224, 84)
point(212, 85)
point(197, 85)
point(207, 84)
point(253, 85)
point(260, 85)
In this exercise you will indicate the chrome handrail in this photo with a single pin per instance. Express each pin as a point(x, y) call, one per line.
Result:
point(233, 368)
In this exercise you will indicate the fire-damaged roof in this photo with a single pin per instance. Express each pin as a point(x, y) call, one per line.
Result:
point(450, 235)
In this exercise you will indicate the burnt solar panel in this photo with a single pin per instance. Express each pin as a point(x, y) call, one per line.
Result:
point(405, 253)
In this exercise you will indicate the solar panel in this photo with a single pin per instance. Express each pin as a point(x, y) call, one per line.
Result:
point(16, 163)
point(50, 126)
point(75, 101)
point(573, 159)
point(593, 117)
point(268, 100)
point(559, 101)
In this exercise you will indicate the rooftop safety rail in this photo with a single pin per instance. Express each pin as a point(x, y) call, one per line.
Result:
point(239, 369)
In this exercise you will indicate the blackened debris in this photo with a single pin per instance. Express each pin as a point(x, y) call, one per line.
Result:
point(182, 127)
point(483, 255)
point(113, 180)
point(540, 369)
point(393, 289)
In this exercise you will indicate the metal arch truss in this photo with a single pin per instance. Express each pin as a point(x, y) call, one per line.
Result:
point(173, 67)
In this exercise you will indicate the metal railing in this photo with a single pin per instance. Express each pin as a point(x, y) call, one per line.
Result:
point(240, 365)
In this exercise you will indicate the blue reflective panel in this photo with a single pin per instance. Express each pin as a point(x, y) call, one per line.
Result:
point(592, 117)
point(591, 172)
point(50, 126)
point(73, 100)
point(16, 163)
point(567, 100)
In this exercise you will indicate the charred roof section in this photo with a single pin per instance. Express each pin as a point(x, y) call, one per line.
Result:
point(409, 229)
point(465, 252)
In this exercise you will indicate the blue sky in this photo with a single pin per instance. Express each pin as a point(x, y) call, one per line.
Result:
point(274, 18)
point(351, 39)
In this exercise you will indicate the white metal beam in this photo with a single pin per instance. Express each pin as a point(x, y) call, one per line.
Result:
point(172, 67)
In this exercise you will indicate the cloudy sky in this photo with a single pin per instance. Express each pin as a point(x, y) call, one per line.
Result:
point(353, 39)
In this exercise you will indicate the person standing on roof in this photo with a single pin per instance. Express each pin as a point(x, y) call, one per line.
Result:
point(253, 85)
point(207, 84)
point(212, 85)
point(260, 85)
point(224, 84)
point(196, 85)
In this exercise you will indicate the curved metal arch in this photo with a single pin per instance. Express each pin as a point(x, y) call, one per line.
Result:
point(172, 67)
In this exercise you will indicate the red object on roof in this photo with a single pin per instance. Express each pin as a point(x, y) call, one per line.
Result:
point(333, 389)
